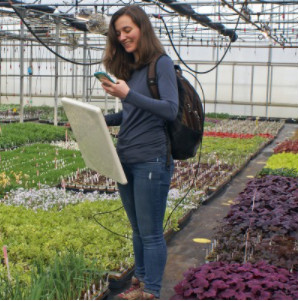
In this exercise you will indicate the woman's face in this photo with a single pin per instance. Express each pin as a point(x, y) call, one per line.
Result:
point(128, 34)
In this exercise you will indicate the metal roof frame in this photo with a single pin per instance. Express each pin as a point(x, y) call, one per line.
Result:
point(261, 23)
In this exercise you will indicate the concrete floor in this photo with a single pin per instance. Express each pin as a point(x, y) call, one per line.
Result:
point(183, 252)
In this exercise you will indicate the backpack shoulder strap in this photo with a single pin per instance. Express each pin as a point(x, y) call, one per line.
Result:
point(152, 77)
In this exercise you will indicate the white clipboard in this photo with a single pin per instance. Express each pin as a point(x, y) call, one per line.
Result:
point(94, 140)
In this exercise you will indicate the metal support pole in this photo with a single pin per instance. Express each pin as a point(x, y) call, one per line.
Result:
point(0, 72)
point(251, 89)
point(268, 80)
point(76, 79)
point(88, 90)
point(84, 69)
point(22, 74)
point(269, 75)
point(30, 76)
point(271, 84)
point(216, 82)
point(56, 71)
point(61, 79)
point(73, 73)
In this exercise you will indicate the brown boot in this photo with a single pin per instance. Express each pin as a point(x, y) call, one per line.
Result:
point(148, 296)
point(136, 282)
point(134, 292)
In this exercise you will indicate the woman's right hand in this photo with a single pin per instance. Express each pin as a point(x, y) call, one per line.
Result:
point(119, 89)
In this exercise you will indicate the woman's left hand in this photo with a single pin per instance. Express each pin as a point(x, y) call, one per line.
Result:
point(120, 89)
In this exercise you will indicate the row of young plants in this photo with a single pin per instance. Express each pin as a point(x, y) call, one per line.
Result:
point(255, 252)
point(68, 277)
point(17, 134)
point(231, 151)
point(9, 113)
point(285, 159)
point(246, 127)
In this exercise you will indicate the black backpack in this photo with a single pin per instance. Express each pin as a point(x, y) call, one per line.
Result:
point(186, 131)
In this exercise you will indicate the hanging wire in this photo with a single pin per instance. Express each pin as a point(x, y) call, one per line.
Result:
point(104, 227)
point(199, 155)
point(46, 46)
point(182, 60)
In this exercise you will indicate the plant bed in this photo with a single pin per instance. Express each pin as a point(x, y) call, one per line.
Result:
point(287, 146)
point(53, 221)
point(18, 134)
point(185, 219)
point(17, 119)
point(88, 181)
point(284, 172)
point(234, 281)
point(47, 198)
point(51, 122)
point(283, 160)
point(66, 278)
point(168, 235)
point(231, 151)
point(98, 290)
point(119, 279)
point(46, 233)
point(101, 295)
point(183, 177)
point(188, 173)
point(266, 129)
point(265, 212)
point(35, 165)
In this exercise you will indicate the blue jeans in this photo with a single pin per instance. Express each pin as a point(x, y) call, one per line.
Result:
point(144, 199)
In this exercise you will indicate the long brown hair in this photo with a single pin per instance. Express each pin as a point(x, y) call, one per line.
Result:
point(116, 60)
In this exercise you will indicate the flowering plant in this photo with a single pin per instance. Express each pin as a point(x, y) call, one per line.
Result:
point(48, 198)
point(66, 144)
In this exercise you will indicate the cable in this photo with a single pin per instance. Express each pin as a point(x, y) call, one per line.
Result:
point(164, 9)
point(180, 58)
point(55, 53)
point(100, 213)
point(203, 94)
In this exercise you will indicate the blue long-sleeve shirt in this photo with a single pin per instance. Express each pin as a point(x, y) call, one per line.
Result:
point(142, 134)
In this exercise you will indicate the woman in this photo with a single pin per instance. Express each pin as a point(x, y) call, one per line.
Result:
point(142, 141)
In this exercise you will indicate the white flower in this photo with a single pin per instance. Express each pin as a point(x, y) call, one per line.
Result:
point(47, 197)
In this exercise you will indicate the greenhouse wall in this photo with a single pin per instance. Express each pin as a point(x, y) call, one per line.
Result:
point(249, 81)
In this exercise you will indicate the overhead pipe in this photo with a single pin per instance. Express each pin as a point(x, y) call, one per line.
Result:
point(187, 11)
point(45, 9)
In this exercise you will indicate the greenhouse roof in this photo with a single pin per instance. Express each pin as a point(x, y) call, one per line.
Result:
point(185, 23)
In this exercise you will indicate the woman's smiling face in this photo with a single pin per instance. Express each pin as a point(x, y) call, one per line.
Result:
point(128, 34)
